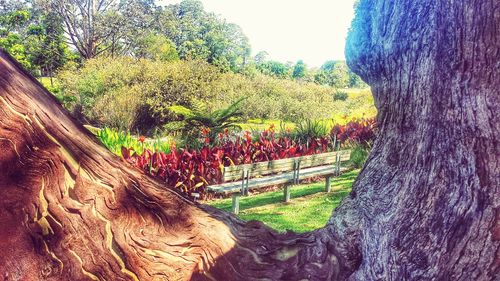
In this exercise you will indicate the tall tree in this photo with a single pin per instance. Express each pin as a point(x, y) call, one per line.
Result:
point(333, 73)
point(275, 68)
point(15, 19)
point(52, 53)
point(260, 57)
point(425, 206)
point(299, 70)
point(98, 26)
point(33, 37)
point(198, 34)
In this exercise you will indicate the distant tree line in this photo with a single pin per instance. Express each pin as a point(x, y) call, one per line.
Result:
point(44, 35)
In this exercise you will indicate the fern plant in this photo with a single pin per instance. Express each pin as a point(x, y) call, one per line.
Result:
point(200, 123)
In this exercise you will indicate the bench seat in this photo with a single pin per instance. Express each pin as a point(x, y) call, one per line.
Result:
point(241, 178)
point(287, 177)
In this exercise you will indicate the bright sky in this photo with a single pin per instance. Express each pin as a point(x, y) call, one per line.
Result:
point(289, 30)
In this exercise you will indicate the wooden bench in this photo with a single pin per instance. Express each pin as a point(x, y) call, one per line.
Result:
point(239, 179)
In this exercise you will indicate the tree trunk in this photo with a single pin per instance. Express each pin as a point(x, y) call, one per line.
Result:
point(71, 210)
point(425, 206)
point(428, 197)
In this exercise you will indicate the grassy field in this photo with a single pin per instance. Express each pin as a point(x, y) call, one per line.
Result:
point(310, 206)
point(262, 124)
point(359, 104)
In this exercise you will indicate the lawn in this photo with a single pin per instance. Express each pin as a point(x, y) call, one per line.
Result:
point(309, 208)
point(262, 124)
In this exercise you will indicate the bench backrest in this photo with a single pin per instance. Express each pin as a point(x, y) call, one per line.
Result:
point(232, 173)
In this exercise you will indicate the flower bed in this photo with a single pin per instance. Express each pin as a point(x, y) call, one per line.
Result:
point(192, 170)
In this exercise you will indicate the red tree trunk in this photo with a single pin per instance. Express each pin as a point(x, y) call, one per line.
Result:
point(425, 206)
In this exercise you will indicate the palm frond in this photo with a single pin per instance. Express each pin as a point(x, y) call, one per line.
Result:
point(182, 110)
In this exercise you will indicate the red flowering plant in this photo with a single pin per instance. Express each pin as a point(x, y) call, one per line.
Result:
point(191, 170)
point(361, 132)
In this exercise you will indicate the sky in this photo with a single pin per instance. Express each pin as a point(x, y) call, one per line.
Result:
point(289, 30)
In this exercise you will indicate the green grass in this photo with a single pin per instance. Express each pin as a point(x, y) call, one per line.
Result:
point(262, 124)
point(359, 104)
point(309, 209)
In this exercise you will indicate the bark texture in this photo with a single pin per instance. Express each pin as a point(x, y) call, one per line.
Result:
point(425, 206)
point(70, 210)
point(429, 196)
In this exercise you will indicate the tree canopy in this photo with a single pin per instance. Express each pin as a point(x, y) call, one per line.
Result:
point(45, 34)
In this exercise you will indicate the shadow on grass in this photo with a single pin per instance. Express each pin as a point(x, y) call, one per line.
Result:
point(340, 186)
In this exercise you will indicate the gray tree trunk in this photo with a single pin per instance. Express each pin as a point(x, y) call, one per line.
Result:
point(429, 196)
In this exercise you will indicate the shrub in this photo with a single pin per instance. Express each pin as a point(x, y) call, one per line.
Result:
point(136, 94)
point(359, 154)
point(115, 140)
point(201, 126)
point(310, 129)
point(362, 132)
point(104, 91)
point(340, 96)
point(192, 170)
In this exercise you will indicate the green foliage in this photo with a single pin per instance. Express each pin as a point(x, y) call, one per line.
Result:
point(334, 73)
point(194, 50)
point(105, 92)
point(199, 122)
point(310, 129)
point(156, 47)
point(16, 18)
point(13, 44)
point(275, 68)
point(34, 38)
point(52, 53)
point(359, 154)
point(359, 104)
point(299, 70)
point(13, 27)
point(200, 35)
point(340, 95)
point(115, 139)
point(355, 81)
point(134, 94)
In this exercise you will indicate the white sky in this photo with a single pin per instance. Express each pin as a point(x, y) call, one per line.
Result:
point(289, 30)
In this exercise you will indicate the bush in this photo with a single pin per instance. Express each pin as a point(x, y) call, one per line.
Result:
point(358, 156)
point(133, 94)
point(105, 92)
point(356, 132)
point(310, 129)
point(115, 140)
point(340, 96)
point(202, 127)
point(359, 104)
point(192, 170)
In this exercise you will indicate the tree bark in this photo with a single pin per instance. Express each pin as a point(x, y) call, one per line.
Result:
point(425, 206)
point(70, 210)
point(428, 197)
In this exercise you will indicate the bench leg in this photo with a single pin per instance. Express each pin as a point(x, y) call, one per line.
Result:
point(236, 203)
point(286, 192)
point(328, 186)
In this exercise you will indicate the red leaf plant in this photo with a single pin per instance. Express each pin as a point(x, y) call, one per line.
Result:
point(192, 170)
